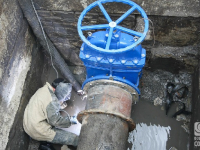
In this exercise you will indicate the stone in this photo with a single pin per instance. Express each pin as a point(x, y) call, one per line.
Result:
point(181, 117)
point(185, 126)
point(181, 8)
point(174, 59)
point(79, 70)
point(33, 145)
point(158, 101)
point(18, 55)
point(18, 139)
point(64, 147)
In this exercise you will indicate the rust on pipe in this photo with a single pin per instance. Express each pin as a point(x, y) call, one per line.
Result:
point(106, 119)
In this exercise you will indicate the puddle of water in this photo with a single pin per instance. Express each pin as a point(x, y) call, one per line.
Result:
point(150, 137)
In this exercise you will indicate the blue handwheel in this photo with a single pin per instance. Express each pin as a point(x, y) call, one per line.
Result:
point(113, 25)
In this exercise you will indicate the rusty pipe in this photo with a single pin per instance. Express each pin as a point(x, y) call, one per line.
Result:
point(106, 119)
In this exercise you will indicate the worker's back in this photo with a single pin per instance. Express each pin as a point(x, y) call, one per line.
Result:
point(35, 115)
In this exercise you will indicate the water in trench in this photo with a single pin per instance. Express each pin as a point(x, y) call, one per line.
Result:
point(154, 126)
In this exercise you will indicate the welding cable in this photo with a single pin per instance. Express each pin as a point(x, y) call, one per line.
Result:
point(44, 38)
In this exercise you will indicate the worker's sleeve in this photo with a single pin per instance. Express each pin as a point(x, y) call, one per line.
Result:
point(54, 116)
point(65, 138)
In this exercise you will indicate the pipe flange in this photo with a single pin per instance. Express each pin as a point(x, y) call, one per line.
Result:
point(130, 122)
point(124, 86)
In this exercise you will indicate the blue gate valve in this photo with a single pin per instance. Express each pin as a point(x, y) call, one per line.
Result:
point(115, 54)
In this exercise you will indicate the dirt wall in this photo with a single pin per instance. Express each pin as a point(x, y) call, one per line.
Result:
point(19, 73)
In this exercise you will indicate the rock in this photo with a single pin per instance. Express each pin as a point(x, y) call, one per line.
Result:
point(157, 101)
point(79, 70)
point(185, 126)
point(174, 59)
point(179, 8)
point(65, 147)
point(33, 145)
point(181, 117)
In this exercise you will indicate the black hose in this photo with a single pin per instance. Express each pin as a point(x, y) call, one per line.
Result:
point(57, 59)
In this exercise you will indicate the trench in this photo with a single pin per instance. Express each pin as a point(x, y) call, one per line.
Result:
point(173, 58)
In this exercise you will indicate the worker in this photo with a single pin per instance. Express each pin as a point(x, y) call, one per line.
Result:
point(42, 116)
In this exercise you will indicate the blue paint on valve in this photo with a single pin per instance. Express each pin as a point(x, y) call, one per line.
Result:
point(115, 53)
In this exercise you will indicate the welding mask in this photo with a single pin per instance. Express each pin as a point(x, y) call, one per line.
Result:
point(63, 91)
point(56, 82)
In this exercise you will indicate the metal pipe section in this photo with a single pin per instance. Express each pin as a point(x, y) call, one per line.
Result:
point(106, 120)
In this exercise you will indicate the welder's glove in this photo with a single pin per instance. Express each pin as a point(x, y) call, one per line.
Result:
point(73, 120)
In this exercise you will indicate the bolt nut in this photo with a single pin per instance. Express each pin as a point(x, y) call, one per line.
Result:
point(135, 39)
point(89, 33)
point(135, 61)
point(123, 61)
point(111, 60)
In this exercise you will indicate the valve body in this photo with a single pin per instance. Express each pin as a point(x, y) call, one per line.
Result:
point(125, 67)
point(114, 59)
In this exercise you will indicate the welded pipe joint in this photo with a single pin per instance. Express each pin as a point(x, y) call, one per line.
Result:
point(109, 100)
